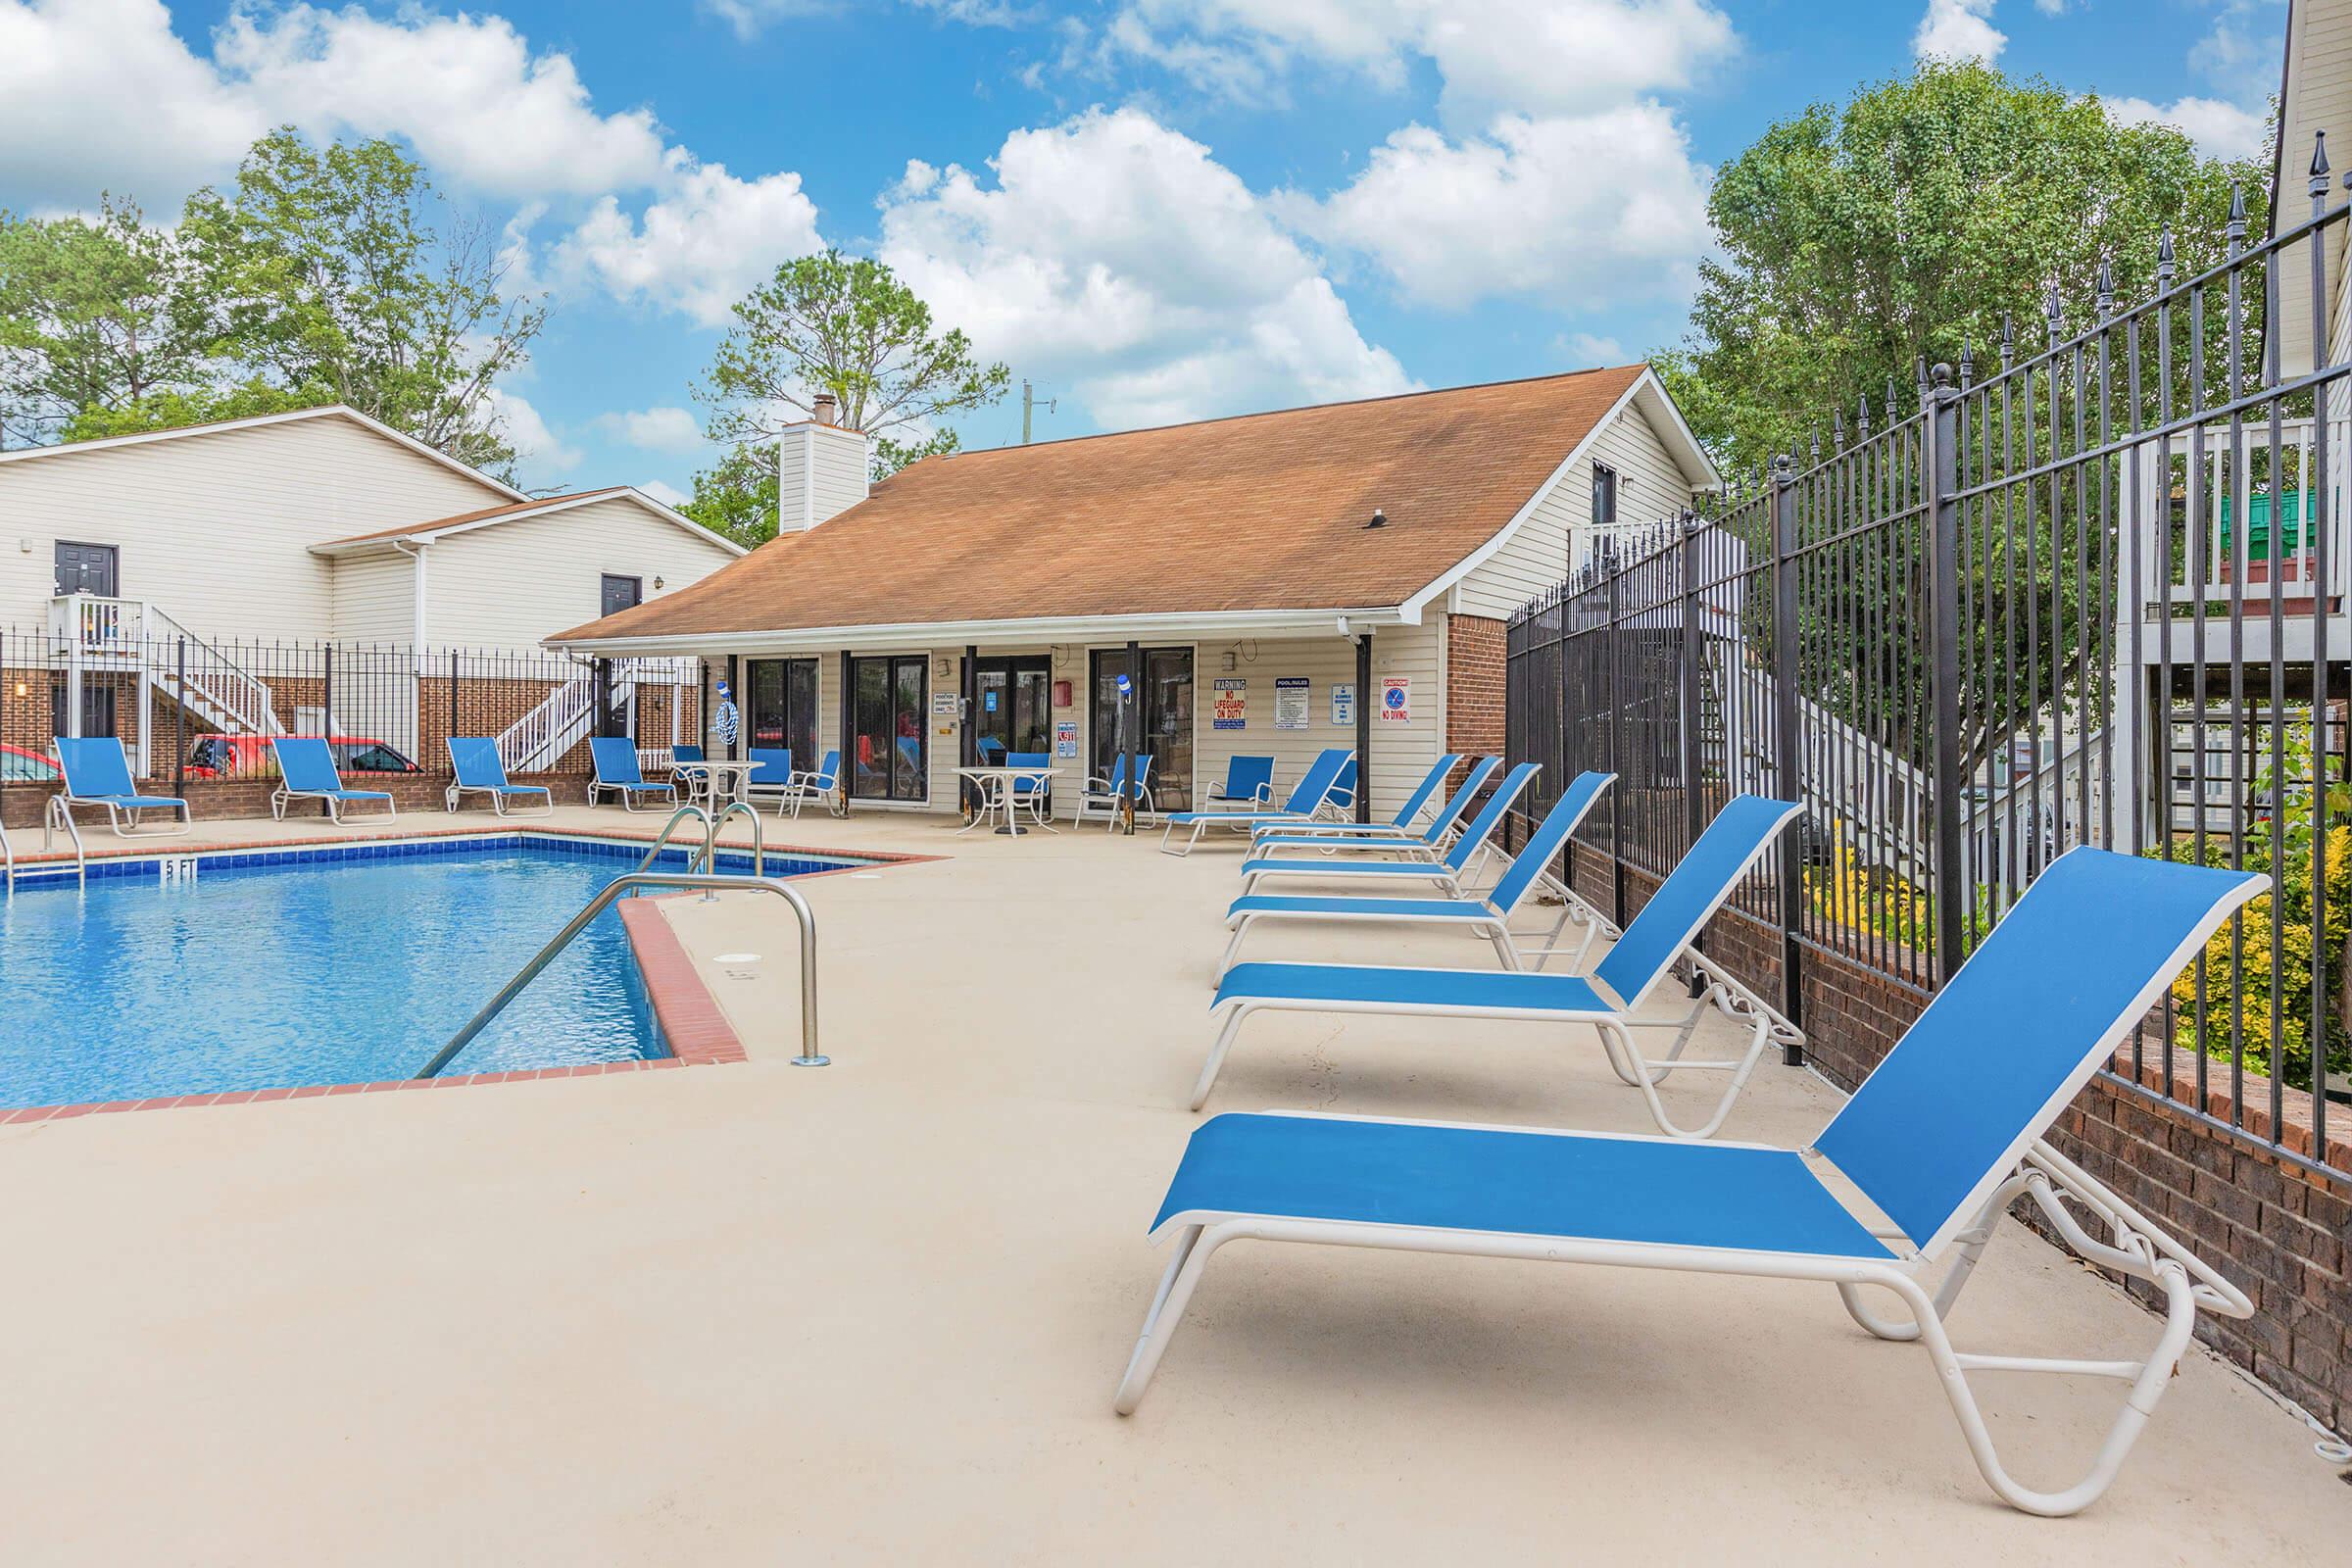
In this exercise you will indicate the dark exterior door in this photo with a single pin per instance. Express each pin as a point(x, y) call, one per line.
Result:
point(1013, 707)
point(622, 593)
point(780, 707)
point(891, 756)
point(87, 569)
point(1165, 728)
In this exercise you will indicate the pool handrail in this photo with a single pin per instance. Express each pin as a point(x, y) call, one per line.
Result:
point(661, 839)
point(688, 880)
point(709, 860)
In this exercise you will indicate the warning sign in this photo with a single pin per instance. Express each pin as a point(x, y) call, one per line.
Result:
point(1396, 699)
point(1230, 709)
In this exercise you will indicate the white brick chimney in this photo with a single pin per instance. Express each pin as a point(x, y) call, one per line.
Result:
point(821, 468)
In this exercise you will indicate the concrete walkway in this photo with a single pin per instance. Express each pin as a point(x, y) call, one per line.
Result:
point(875, 1311)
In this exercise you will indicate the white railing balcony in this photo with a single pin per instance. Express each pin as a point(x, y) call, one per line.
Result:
point(90, 626)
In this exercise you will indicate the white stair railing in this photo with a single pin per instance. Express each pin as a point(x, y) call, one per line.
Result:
point(97, 632)
point(538, 740)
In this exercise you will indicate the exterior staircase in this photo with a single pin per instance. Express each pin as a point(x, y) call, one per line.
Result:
point(94, 635)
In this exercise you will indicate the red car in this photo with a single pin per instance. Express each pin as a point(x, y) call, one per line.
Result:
point(250, 757)
point(21, 766)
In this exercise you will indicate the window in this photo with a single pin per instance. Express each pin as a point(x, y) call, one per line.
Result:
point(780, 707)
point(1604, 495)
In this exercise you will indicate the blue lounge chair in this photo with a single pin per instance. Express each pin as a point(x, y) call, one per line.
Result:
point(306, 771)
point(1341, 798)
point(1384, 838)
point(1248, 784)
point(478, 766)
point(1399, 826)
point(615, 759)
point(98, 773)
point(1447, 873)
point(1102, 796)
point(1653, 941)
point(820, 785)
point(1314, 788)
point(1942, 1139)
point(772, 775)
point(1488, 917)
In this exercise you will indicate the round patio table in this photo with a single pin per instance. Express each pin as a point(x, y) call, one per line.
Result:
point(728, 776)
point(996, 794)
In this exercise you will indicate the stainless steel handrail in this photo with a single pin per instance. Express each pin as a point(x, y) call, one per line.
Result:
point(759, 839)
point(59, 811)
point(710, 832)
point(8, 854)
point(809, 1057)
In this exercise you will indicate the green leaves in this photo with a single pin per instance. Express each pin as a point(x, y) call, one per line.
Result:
point(842, 325)
point(737, 498)
point(1857, 241)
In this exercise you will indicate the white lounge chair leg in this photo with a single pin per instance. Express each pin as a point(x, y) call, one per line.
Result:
point(1232, 947)
point(1216, 1053)
point(1175, 1292)
point(1647, 1077)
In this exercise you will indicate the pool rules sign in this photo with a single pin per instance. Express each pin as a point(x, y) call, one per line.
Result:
point(1396, 699)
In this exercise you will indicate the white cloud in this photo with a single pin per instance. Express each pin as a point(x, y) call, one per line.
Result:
point(1063, 265)
point(1586, 349)
point(697, 248)
point(669, 495)
point(537, 447)
point(1532, 55)
point(1958, 30)
point(751, 17)
point(2220, 129)
point(672, 430)
point(1572, 211)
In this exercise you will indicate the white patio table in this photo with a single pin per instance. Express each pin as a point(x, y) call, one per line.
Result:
point(996, 796)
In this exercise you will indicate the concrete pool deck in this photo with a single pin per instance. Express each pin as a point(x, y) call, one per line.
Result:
point(875, 1311)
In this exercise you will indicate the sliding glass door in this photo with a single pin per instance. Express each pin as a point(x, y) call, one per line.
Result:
point(1166, 733)
point(1013, 707)
point(886, 716)
point(780, 704)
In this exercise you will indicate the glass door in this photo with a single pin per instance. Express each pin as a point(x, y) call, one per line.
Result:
point(1012, 707)
point(780, 707)
point(1166, 733)
point(887, 697)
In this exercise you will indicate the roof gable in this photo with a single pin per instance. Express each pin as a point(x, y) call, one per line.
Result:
point(425, 532)
point(1256, 513)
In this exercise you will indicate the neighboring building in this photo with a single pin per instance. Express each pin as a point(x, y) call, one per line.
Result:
point(997, 594)
point(161, 561)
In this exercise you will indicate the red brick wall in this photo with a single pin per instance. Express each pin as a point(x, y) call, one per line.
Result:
point(1475, 663)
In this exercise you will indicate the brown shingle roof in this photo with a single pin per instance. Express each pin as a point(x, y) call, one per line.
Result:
point(1260, 511)
point(534, 504)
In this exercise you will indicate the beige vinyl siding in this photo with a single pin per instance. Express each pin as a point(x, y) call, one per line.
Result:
point(2318, 98)
point(510, 584)
point(1535, 558)
point(820, 473)
point(375, 598)
point(214, 528)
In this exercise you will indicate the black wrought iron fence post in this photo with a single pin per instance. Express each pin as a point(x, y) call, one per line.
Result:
point(1688, 720)
point(1785, 748)
point(1940, 469)
point(180, 715)
point(1612, 651)
point(451, 733)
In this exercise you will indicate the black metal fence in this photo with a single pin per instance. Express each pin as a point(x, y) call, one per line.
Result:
point(2097, 596)
point(190, 709)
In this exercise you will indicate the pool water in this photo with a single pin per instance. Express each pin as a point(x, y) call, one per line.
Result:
point(278, 974)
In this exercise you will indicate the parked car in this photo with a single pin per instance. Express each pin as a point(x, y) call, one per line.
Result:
point(21, 766)
point(250, 757)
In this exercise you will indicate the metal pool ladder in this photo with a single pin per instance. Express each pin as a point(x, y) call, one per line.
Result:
point(809, 1057)
point(707, 858)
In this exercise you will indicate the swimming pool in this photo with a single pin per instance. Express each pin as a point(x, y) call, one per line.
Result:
point(331, 965)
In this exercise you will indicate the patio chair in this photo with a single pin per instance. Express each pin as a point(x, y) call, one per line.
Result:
point(1340, 802)
point(1102, 796)
point(1399, 826)
point(1942, 1139)
point(773, 775)
point(479, 768)
point(615, 760)
point(822, 785)
point(1449, 873)
point(1488, 915)
point(97, 772)
point(686, 768)
point(306, 771)
point(1652, 945)
point(1248, 785)
point(989, 751)
point(1305, 801)
point(1387, 838)
point(1035, 794)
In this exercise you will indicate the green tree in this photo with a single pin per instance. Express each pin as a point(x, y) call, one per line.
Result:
point(327, 277)
point(848, 326)
point(737, 496)
point(1857, 241)
point(97, 316)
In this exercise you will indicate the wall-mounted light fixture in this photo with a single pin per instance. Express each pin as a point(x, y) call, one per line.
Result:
point(658, 585)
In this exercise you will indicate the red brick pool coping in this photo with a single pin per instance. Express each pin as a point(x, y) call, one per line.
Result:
point(693, 1025)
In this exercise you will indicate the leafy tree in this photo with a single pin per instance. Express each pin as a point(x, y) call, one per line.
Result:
point(737, 497)
point(96, 318)
point(324, 270)
point(846, 325)
point(1856, 241)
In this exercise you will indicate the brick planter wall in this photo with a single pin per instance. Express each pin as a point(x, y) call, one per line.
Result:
point(2281, 1233)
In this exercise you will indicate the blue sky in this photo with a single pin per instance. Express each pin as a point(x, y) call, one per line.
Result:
point(1155, 209)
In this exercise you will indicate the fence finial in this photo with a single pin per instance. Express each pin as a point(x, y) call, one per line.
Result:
point(2008, 341)
point(2055, 310)
point(1784, 465)
point(1861, 415)
point(1836, 430)
point(2106, 296)
point(1817, 443)
point(1967, 362)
